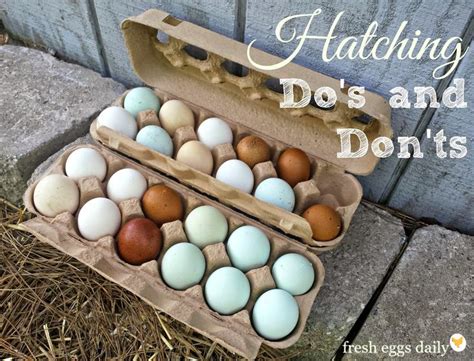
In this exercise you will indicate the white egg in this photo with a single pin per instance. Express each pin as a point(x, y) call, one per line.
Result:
point(248, 248)
point(125, 184)
point(118, 119)
point(227, 290)
point(85, 162)
point(183, 266)
point(214, 131)
point(55, 194)
point(237, 174)
point(294, 273)
point(98, 218)
point(275, 314)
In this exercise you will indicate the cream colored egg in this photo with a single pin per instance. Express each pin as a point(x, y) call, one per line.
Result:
point(55, 194)
point(196, 155)
point(175, 114)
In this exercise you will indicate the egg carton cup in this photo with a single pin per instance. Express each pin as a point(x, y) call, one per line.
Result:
point(328, 184)
point(189, 306)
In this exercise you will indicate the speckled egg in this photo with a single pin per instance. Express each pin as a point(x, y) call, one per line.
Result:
point(139, 99)
point(277, 192)
point(162, 204)
point(156, 138)
point(325, 222)
point(253, 150)
point(294, 166)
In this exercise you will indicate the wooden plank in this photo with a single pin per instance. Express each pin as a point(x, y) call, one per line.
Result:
point(64, 26)
point(435, 19)
point(438, 188)
point(219, 16)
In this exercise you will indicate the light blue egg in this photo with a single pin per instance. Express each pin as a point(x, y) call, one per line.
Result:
point(294, 273)
point(139, 99)
point(156, 138)
point(248, 248)
point(277, 192)
point(275, 314)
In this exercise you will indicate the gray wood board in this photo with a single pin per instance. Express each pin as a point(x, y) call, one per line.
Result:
point(65, 27)
point(219, 16)
point(435, 19)
point(443, 188)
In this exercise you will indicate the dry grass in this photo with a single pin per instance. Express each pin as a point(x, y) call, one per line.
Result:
point(52, 306)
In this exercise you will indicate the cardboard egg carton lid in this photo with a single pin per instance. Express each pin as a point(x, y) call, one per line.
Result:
point(168, 66)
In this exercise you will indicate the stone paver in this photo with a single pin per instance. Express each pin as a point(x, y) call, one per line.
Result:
point(428, 298)
point(353, 272)
point(45, 104)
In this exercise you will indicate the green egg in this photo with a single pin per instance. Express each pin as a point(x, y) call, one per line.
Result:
point(139, 99)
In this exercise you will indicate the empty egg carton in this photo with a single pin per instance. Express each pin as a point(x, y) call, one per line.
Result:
point(189, 306)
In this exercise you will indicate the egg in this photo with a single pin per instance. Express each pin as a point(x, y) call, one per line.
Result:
point(55, 194)
point(162, 204)
point(275, 314)
point(294, 273)
point(197, 156)
point(156, 138)
point(205, 225)
point(183, 266)
point(125, 184)
point(214, 131)
point(175, 114)
point(98, 218)
point(140, 99)
point(248, 248)
point(325, 222)
point(118, 119)
point(277, 192)
point(139, 241)
point(85, 162)
point(227, 290)
point(237, 174)
point(253, 150)
point(294, 166)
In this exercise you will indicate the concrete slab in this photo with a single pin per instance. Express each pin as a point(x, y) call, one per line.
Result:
point(45, 104)
point(427, 299)
point(353, 272)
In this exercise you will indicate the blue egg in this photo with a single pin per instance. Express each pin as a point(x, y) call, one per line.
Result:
point(139, 99)
point(156, 138)
point(277, 192)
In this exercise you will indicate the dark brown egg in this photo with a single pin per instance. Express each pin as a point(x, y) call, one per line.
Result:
point(139, 241)
point(162, 204)
point(325, 222)
point(253, 150)
point(294, 166)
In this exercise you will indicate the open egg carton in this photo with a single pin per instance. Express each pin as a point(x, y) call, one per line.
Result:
point(188, 306)
point(163, 52)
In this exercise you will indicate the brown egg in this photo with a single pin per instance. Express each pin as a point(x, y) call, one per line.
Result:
point(162, 204)
point(139, 241)
point(253, 150)
point(294, 166)
point(325, 222)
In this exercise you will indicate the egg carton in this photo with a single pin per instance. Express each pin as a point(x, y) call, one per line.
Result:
point(189, 306)
point(181, 60)
point(328, 184)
